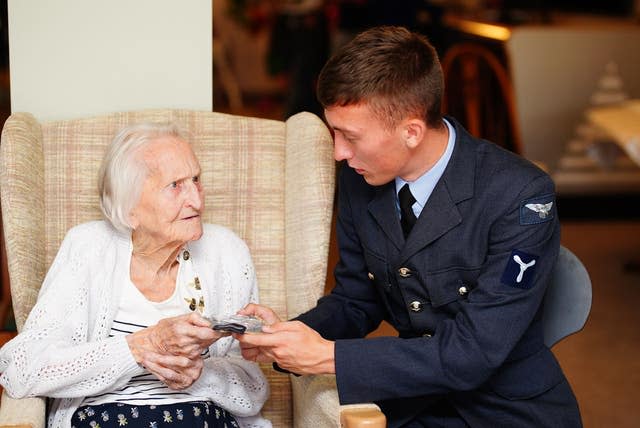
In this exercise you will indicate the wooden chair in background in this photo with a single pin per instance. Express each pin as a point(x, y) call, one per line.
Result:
point(478, 92)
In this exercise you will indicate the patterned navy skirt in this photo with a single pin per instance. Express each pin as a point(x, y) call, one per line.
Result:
point(189, 414)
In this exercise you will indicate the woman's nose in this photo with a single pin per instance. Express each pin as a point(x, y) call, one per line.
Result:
point(195, 196)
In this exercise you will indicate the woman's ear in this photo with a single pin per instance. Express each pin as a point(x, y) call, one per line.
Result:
point(414, 131)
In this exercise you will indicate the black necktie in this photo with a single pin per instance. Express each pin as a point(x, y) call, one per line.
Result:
point(407, 217)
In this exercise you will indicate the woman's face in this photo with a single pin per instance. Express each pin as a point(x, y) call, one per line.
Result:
point(172, 200)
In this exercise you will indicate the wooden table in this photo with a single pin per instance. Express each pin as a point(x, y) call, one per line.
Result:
point(622, 123)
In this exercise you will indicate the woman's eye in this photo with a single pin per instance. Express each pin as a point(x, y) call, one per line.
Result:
point(196, 179)
point(174, 185)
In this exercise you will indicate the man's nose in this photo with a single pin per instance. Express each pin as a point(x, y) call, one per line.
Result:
point(341, 149)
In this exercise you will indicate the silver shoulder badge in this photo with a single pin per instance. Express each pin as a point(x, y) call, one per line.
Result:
point(537, 210)
point(541, 209)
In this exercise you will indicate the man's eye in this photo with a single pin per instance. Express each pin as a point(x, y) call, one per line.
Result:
point(349, 139)
point(196, 179)
point(174, 185)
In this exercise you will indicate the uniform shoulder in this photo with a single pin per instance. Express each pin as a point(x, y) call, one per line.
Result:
point(497, 160)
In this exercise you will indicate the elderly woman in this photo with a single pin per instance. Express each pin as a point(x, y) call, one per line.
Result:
point(120, 334)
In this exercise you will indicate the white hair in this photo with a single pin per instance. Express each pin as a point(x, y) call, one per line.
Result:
point(123, 170)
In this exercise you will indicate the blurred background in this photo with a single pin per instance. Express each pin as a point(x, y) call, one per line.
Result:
point(526, 75)
point(523, 74)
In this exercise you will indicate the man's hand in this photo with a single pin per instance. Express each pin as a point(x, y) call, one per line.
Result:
point(293, 345)
point(265, 313)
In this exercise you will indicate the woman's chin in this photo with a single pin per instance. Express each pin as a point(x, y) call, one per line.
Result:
point(197, 234)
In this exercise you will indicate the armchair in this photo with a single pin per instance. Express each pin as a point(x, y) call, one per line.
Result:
point(272, 182)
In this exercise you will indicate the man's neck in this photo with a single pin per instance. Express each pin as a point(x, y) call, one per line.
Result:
point(427, 153)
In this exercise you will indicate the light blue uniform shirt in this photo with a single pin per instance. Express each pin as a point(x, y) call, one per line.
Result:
point(422, 187)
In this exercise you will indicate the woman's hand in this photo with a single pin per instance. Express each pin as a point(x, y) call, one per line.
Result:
point(185, 335)
point(172, 349)
point(188, 335)
point(174, 371)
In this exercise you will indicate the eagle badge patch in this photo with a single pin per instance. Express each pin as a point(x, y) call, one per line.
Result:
point(537, 210)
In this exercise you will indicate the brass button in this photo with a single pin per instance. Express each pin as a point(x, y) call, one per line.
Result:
point(186, 255)
point(416, 306)
point(371, 277)
point(463, 290)
point(427, 334)
point(404, 272)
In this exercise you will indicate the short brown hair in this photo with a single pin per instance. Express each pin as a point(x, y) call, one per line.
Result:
point(395, 71)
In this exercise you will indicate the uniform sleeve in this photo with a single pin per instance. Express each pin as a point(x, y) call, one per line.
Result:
point(52, 356)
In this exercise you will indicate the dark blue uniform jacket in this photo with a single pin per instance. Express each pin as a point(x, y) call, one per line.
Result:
point(464, 292)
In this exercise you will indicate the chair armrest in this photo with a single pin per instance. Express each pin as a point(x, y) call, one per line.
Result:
point(22, 413)
point(365, 415)
point(316, 403)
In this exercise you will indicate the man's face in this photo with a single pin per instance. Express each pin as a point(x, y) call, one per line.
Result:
point(376, 153)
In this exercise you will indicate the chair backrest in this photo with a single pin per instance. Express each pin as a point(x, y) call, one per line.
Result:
point(272, 182)
point(567, 302)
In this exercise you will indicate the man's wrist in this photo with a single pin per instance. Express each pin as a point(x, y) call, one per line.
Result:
point(329, 367)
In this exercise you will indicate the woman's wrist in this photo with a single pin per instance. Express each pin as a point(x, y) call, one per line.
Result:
point(134, 340)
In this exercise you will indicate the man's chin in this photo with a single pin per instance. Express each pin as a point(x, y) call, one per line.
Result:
point(375, 181)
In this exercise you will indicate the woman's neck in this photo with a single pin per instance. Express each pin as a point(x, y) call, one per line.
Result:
point(154, 254)
point(154, 268)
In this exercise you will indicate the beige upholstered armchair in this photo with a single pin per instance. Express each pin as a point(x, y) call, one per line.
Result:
point(270, 181)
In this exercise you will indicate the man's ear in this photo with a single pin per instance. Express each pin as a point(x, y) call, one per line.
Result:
point(413, 132)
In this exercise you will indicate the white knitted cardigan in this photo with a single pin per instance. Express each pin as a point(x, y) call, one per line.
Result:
point(64, 350)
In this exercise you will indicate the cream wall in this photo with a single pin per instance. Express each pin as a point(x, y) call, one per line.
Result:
point(556, 69)
point(73, 58)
